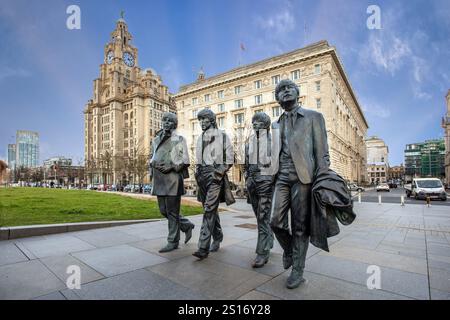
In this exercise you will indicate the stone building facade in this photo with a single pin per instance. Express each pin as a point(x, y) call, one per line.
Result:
point(377, 160)
point(324, 86)
point(123, 114)
point(446, 127)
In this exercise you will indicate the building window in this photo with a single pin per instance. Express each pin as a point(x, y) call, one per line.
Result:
point(238, 103)
point(276, 111)
point(239, 118)
point(258, 99)
point(275, 79)
point(259, 110)
point(220, 94)
point(318, 103)
point(221, 122)
point(273, 96)
point(221, 107)
point(295, 75)
point(194, 113)
point(258, 84)
point(317, 69)
point(194, 101)
point(237, 89)
point(317, 85)
point(207, 96)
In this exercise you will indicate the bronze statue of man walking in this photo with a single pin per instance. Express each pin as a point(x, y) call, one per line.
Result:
point(168, 168)
point(214, 157)
point(303, 152)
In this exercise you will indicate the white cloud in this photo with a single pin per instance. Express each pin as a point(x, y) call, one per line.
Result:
point(277, 24)
point(172, 74)
point(387, 51)
point(374, 109)
point(275, 29)
point(7, 72)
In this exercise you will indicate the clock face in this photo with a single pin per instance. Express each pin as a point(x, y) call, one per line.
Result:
point(109, 57)
point(128, 59)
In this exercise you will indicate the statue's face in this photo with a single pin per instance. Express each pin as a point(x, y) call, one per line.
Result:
point(287, 93)
point(205, 123)
point(258, 125)
point(168, 124)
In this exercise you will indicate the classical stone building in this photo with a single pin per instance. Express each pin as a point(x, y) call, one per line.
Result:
point(237, 94)
point(123, 114)
point(396, 173)
point(446, 126)
point(377, 160)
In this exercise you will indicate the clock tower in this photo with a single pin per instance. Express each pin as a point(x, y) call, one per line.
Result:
point(123, 114)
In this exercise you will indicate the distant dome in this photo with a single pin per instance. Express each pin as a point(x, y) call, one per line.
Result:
point(151, 70)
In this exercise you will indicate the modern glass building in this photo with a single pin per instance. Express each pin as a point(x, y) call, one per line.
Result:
point(425, 159)
point(11, 156)
point(27, 148)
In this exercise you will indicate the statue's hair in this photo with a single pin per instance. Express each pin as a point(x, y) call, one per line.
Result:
point(172, 116)
point(263, 117)
point(283, 83)
point(208, 114)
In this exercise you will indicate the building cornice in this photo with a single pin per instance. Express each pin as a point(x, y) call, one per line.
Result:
point(315, 50)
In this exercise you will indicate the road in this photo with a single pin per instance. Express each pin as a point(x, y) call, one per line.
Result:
point(394, 197)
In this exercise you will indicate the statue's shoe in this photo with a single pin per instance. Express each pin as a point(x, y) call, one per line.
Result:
point(260, 261)
point(169, 247)
point(287, 260)
point(200, 254)
point(214, 246)
point(188, 234)
point(295, 279)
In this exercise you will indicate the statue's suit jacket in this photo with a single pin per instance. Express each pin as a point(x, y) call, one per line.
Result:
point(173, 152)
point(308, 143)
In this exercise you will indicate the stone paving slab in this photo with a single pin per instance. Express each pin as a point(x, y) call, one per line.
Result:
point(112, 261)
point(394, 261)
point(243, 257)
point(408, 284)
point(10, 253)
point(216, 280)
point(58, 265)
point(319, 287)
point(26, 280)
point(107, 238)
point(54, 246)
point(136, 285)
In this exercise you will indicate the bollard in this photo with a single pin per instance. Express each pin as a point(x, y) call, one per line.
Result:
point(379, 199)
point(402, 200)
point(359, 197)
point(428, 202)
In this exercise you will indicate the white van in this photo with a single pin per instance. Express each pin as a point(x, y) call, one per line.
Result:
point(421, 188)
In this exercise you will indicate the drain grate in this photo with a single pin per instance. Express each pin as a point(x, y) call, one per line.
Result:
point(247, 226)
point(245, 217)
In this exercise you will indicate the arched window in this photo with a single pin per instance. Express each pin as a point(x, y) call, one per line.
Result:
point(131, 115)
point(125, 116)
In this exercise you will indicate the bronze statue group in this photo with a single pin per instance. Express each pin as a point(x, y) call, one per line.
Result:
point(286, 170)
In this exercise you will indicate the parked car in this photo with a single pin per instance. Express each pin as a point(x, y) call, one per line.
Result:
point(355, 187)
point(421, 188)
point(131, 188)
point(112, 187)
point(392, 185)
point(147, 188)
point(383, 187)
point(92, 187)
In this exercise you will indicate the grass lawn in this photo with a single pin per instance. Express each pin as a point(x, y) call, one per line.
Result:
point(26, 206)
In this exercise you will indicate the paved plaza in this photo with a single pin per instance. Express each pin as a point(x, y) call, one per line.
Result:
point(410, 245)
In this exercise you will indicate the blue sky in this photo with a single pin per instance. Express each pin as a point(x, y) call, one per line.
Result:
point(400, 73)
